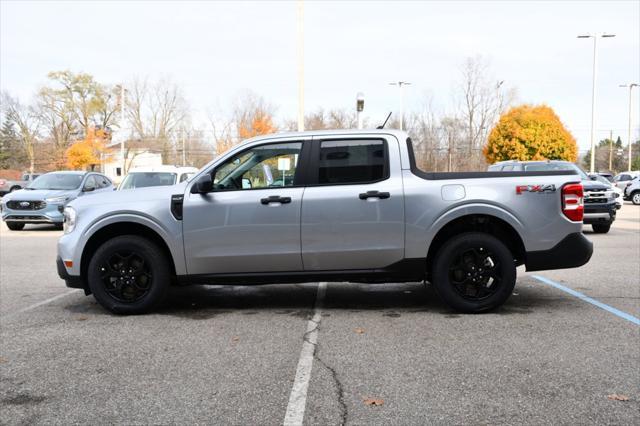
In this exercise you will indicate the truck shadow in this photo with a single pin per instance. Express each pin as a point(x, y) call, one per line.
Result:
point(201, 302)
point(392, 300)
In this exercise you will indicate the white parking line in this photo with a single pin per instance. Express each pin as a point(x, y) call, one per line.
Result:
point(298, 398)
point(44, 302)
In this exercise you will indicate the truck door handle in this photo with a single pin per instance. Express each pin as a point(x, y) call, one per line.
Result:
point(275, 199)
point(374, 194)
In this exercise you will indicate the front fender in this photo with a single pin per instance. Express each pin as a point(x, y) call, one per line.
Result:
point(170, 231)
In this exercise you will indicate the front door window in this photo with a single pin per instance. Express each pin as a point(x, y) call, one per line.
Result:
point(260, 167)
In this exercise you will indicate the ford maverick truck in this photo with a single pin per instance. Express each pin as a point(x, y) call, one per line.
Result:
point(325, 206)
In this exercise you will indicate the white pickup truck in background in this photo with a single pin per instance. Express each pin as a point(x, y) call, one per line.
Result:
point(7, 186)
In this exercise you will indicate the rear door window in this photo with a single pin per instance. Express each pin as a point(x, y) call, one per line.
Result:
point(352, 161)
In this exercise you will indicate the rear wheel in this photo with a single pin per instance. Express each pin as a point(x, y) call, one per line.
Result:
point(635, 198)
point(15, 226)
point(129, 275)
point(601, 229)
point(474, 272)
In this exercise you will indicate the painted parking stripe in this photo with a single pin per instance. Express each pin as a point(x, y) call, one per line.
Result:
point(581, 296)
point(298, 398)
point(44, 302)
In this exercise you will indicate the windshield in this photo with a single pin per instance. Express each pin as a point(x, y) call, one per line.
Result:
point(602, 179)
point(56, 181)
point(146, 179)
point(539, 167)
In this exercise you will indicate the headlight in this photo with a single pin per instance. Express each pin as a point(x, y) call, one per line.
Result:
point(60, 199)
point(70, 216)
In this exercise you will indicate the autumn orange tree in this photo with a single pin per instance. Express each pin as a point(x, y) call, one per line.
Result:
point(86, 152)
point(529, 132)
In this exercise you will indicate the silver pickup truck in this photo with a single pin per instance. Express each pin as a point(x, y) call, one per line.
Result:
point(325, 206)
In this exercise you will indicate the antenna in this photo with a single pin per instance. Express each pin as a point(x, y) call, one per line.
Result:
point(385, 122)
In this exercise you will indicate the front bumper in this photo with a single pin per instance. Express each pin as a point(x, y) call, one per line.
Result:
point(599, 214)
point(572, 251)
point(50, 214)
point(70, 281)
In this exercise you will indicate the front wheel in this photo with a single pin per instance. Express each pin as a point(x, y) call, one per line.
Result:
point(474, 272)
point(129, 275)
point(635, 198)
point(601, 229)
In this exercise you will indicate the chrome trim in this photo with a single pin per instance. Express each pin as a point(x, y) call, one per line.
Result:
point(20, 219)
point(597, 216)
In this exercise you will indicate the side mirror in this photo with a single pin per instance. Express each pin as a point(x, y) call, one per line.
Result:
point(246, 183)
point(203, 185)
point(88, 188)
point(593, 177)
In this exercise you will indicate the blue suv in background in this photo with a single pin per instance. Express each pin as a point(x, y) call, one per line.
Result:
point(43, 200)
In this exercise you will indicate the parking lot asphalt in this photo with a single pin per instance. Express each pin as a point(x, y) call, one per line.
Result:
point(229, 354)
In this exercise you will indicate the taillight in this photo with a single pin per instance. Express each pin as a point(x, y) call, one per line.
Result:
point(573, 201)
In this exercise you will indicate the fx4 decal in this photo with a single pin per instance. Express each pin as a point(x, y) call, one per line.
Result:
point(535, 188)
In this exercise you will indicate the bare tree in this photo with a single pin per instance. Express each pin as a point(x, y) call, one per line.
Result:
point(57, 120)
point(425, 131)
point(321, 119)
point(252, 115)
point(27, 121)
point(482, 100)
point(155, 113)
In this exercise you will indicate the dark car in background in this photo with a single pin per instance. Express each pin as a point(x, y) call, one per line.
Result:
point(600, 204)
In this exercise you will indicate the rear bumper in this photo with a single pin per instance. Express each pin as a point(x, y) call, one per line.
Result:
point(574, 250)
point(70, 281)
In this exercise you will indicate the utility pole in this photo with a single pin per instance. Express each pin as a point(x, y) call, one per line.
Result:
point(184, 155)
point(122, 130)
point(400, 85)
point(630, 86)
point(610, 148)
point(593, 93)
point(300, 25)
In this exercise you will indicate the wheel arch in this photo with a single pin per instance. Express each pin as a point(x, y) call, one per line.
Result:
point(480, 222)
point(114, 229)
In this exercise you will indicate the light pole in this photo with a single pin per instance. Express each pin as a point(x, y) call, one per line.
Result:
point(359, 108)
point(300, 27)
point(400, 85)
point(122, 101)
point(630, 86)
point(593, 94)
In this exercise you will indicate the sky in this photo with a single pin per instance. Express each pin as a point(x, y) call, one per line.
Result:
point(216, 50)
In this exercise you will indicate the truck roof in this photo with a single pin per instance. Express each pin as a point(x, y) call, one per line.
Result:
point(401, 135)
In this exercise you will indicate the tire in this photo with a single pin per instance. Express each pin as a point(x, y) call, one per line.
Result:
point(15, 226)
point(635, 198)
point(601, 229)
point(14, 188)
point(473, 253)
point(114, 290)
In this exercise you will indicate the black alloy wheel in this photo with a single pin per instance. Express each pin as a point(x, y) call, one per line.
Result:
point(129, 274)
point(474, 272)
